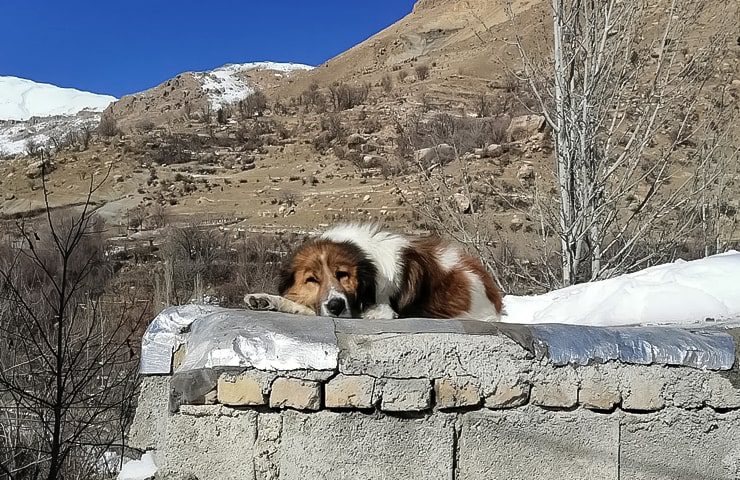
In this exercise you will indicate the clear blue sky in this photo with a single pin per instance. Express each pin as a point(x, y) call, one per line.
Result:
point(124, 46)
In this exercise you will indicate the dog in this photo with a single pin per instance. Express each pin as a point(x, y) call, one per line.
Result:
point(361, 271)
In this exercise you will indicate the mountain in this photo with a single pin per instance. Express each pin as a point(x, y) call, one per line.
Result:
point(21, 99)
point(190, 92)
point(230, 83)
point(445, 73)
point(466, 44)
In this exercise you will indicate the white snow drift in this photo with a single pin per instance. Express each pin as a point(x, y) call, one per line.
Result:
point(139, 469)
point(676, 293)
point(224, 86)
point(21, 99)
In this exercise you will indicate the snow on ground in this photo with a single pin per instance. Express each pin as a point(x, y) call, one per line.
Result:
point(674, 293)
point(21, 99)
point(139, 469)
point(14, 135)
point(224, 86)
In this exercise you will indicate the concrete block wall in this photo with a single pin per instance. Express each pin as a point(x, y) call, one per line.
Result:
point(443, 406)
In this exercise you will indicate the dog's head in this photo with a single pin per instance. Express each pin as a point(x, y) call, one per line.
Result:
point(336, 279)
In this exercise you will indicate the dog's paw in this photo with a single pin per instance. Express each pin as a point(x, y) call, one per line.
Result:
point(379, 312)
point(275, 303)
point(261, 301)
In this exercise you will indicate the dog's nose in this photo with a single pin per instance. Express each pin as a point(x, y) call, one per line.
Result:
point(336, 306)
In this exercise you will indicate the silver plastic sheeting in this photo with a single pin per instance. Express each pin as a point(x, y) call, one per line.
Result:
point(165, 333)
point(568, 344)
point(263, 340)
point(710, 348)
point(219, 337)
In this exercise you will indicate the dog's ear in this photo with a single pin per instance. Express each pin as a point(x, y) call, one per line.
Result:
point(286, 277)
point(366, 274)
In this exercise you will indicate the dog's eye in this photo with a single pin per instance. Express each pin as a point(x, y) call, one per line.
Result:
point(312, 280)
point(341, 275)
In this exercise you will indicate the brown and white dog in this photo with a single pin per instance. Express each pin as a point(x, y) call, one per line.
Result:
point(361, 271)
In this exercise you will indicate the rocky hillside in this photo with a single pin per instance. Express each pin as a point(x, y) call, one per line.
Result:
point(193, 92)
point(374, 133)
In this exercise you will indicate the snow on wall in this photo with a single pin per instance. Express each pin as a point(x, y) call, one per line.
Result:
point(677, 293)
point(21, 99)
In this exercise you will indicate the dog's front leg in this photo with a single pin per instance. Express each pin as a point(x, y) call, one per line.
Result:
point(380, 311)
point(276, 303)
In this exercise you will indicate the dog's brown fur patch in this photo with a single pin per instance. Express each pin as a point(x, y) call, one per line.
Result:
point(430, 291)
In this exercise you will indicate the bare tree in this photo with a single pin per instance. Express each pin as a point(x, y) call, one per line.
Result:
point(194, 259)
point(344, 96)
point(67, 368)
point(610, 88)
point(254, 104)
point(206, 113)
point(387, 83)
point(456, 202)
point(108, 126)
point(33, 148)
point(84, 136)
point(56, 142)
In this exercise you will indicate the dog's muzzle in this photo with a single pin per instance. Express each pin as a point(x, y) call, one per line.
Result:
point(336, 305)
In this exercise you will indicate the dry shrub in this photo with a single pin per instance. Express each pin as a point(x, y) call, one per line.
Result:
point(312, 97)
point(344, 96)
point(332, 129)
point(311, 94)
point(250, 133)
point(89, 255)
point(33, 148)
point(255, 104)
point(255, 263)
point(201, 262)
point(174, 149)
point(340, 152)
point(223, 115)
point(464, 133)
point(483, 106)
point(196, 258)
point(422, 71)
point(511, 83)
point(387, 83)
point(145, 126)
point(371, 125)
point(108, 126)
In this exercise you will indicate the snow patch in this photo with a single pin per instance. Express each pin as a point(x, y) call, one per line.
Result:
point(676, 293)
point(15, 134)
point(139, 469)
point(21, 99)
point(224, 86)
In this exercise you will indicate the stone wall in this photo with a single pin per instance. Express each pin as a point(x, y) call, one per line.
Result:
point(440, 405)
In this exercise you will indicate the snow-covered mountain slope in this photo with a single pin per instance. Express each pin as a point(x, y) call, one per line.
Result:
point(15, 135)
point(225, 85)
point(189, 93)
point(21, 99)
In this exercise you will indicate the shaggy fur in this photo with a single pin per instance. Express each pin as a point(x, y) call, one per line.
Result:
point(358, 270)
